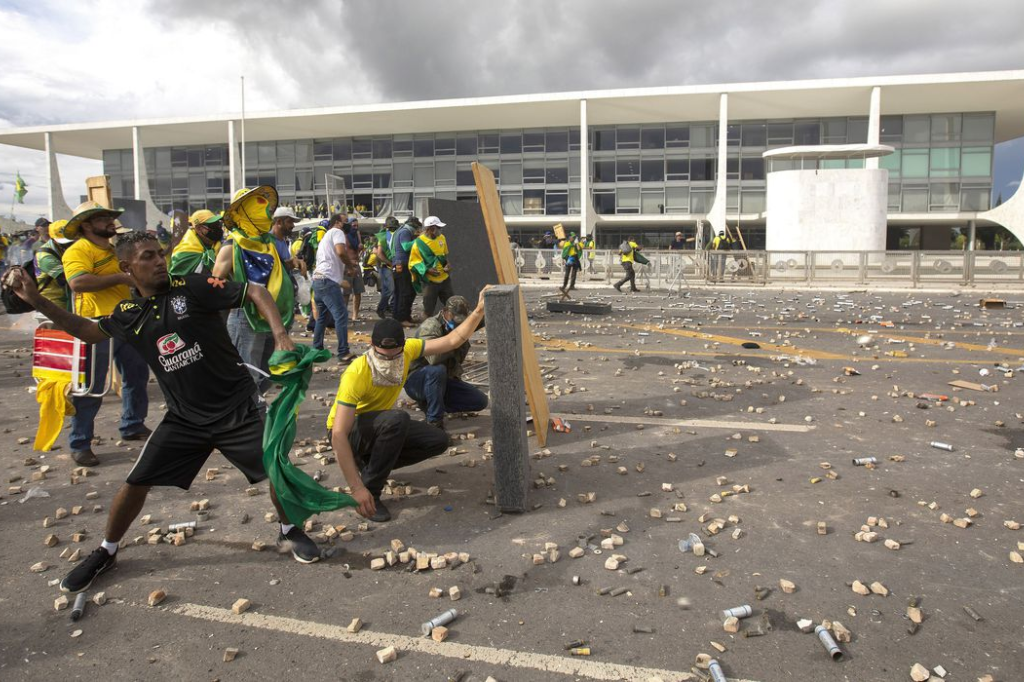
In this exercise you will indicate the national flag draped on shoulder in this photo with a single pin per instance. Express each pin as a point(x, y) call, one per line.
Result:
point(20, 188)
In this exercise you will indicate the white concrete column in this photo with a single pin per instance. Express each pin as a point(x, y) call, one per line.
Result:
point(59, 209)
point(874, 123)
point(138, 162)
point(234, 165)
point(716, 216)
point(584, 172)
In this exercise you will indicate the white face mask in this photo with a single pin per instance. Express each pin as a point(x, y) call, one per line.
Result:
point(385, 372)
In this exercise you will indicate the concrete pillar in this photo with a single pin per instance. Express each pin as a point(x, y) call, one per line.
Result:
point(508, 407)
point(972, 234)
point(138, 163)
point(717, 215)
point(584, 172)
point(235, 170)
point(59, 209)
point(874, 123)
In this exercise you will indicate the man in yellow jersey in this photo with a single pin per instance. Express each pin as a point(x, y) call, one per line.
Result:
point(97, 285)
point(364, 425)
point(629, 251)
point(428, 263)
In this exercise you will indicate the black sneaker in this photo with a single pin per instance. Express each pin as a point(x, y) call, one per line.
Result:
point(381, 514)
point(86, 458)
point(303, 549)
point(141, 434)
point(82, 575)
point(438, 424)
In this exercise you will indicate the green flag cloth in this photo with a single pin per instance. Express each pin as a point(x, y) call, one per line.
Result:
point(20, 188)
point(300, 496)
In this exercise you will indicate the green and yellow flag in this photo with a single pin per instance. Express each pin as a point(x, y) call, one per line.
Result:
point(20, 188)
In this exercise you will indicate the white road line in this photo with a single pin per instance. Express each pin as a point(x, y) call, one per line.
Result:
point(706, 423)
point(563, 665)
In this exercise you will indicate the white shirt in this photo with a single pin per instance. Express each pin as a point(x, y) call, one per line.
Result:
point(328, 262)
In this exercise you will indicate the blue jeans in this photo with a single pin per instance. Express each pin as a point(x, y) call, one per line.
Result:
point(387, 291)
point(134, 399)
point(255, 348)
point(328, 297)
point(431, 387)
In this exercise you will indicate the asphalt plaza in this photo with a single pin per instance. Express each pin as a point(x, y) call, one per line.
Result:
point(621, 381)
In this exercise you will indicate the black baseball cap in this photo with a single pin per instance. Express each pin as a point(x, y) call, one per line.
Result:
point(42, 222)
point(388, 334)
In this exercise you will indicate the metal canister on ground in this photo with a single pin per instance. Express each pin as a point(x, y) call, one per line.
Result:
point(175, 527)
point(941, 446)
point(862, 461)
point(737, 612)
point(716, 671)
point(442, 619)
point(79, 608)
point(580, 651)
point(830, 644)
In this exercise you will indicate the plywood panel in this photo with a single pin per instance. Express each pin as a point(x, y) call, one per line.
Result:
point(497, 233)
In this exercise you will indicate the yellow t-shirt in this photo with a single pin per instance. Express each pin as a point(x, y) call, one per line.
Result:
point(628, 257)
point(440, 248)
point(85, 258)
point(356, 389)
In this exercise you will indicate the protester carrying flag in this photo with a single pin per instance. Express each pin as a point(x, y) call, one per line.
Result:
point(429, 266)
point(20, 188)
point(196, 253)
point(250, 257)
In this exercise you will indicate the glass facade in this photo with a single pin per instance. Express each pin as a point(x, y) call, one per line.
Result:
point(942, 163)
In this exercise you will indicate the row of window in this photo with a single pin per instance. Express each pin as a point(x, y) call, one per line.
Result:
point(910, 130)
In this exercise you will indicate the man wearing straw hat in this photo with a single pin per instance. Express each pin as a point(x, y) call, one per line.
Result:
point(97, 285)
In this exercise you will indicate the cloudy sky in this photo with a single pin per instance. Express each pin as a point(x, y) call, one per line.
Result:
point(110, 59)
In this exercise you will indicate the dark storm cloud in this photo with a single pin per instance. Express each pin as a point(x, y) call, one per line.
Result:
point(371, 50)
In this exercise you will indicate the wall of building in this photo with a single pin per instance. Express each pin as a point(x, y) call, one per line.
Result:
point(827, 210)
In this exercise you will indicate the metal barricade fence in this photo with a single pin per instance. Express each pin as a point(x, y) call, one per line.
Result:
point(669, 269)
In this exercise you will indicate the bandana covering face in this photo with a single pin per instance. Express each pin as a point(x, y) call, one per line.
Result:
point(256, 260)
point(384, 372)
point(191, 255)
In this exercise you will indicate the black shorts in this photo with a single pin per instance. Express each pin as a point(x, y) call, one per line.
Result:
point(177, 450)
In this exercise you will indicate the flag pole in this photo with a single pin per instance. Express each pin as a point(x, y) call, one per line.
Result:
point(243, 131)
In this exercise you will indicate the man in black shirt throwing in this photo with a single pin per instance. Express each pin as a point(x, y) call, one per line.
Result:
point(212, 401)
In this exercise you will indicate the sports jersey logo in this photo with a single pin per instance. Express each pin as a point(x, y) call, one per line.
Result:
point(169, 344)
point(179, 304)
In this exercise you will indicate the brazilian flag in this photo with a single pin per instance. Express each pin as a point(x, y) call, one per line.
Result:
point(20, 188)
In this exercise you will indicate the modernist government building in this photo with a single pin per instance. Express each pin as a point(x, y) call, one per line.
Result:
point(842, 163)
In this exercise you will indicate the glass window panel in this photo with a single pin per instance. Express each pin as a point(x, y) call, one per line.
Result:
point(286, 152)
point(444, 171)
point(464, 177)
point(915, 163)
point(677, 169)
point(574, 139)
point(702, 136)
point(945, 162)
point(977, 162)
point(574, 168)
point(163, 186)
point(780, 133)
point(891, 162)
point(403, 148)
point(627, 170)
point(303, 152)
point(533, 141)
point(381, 180)
point(512, 203)
point(627, 138)
point(677, 199)
point(652, 170)
point(197, 184)
point(946, 128)
point(732, 168)
point(677, 136)
point(303, 180)
point(423, 148)
point(627, 199)
point(179, 158)
point(533, 172)
point(423, 176)
point(444, 146)
point(574, 200)
point(533, 202)
point(557, 174)
point(465, 145)
point(652, 138)
point(975, 198)
point(855, 163)
point(832, 164)
point(557, 140)
point(807, 132)
point(752, 202)
point(752, 168)
point(652, 202)
point(604, 139)
point(604, 201)
point(362, 181)
point(945, 196)
point(891, 129)
point(402, 202)
point(834, 130)
point(267, 153)
point(323, 151)
point(916, 130)
point(111, 161)
point(702, 169)
point(215, 156)
point(556, 202)
point(511, 143)
point(733, 134)
point(403, 172)
point(195, 157)
point(487, 143)
point(857, 131)
point(604, 171)
point(382, 149)
point(755, 135)
point(701, 200)
point(214, 183)
point(915, 200)
point(894, 197)
point(978, 127)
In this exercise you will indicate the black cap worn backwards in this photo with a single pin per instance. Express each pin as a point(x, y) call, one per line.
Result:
point(388, 334)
